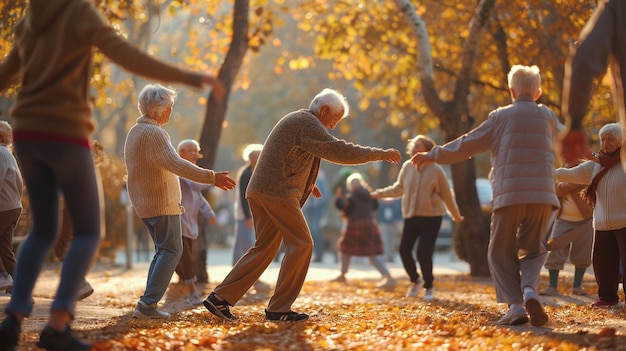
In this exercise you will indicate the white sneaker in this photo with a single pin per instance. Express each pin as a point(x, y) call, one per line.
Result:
point(415, 288)
point(388, 282)
point(149, 311)
point(195, 299)
point(429, 295)
point(6, 282)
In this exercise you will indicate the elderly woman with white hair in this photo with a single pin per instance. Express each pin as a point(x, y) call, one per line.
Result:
point(153, 167)
point(605, 191)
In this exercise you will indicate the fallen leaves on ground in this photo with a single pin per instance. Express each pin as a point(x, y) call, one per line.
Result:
point(360, 316)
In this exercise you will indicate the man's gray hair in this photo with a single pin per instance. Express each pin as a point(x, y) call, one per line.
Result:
point(154, 98)
point(331, 98)
point(615, 129)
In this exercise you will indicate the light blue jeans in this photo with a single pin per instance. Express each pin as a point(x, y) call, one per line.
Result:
point(47, 168)
point(244, 239)
point(168, 246)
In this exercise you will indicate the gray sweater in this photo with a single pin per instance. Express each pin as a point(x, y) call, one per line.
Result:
point(520, 137)
point(290, 160)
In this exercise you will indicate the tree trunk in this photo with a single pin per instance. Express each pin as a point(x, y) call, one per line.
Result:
point(216, 110)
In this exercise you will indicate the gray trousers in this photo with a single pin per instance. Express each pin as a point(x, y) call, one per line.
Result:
point(573, 240)
point(517, 250)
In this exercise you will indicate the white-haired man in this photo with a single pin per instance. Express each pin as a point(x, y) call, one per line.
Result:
point(520, 137)
point(282, 180)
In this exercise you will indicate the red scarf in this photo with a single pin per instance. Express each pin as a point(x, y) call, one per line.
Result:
point(607, 160)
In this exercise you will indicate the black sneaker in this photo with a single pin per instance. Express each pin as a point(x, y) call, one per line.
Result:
point(53, 340)
point(217, 307)
point(290, 316)
point(9, 333)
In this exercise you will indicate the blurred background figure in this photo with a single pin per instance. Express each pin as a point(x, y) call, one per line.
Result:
point(426, 196)
point(244, 225)
point(361, 236)
point(195, 205)
point(571, 237)
point(10, 204)
point(314, 210)
point(390, 223)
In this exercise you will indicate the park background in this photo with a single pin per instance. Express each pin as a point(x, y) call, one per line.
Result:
point(407, 67)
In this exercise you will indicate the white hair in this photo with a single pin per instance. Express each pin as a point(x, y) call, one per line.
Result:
point(186, 142)
point(615, 129)
point(331, 98)
point(524, 80)
point(251, 149)
point(154, 98)
point(5, 133)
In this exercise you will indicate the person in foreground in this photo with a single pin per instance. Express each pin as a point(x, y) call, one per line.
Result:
point(153, 167)
point(51, 58)
point(426, 195)
point(282, 180)
point(520, 137)
point(605, 192)
point(602, 43)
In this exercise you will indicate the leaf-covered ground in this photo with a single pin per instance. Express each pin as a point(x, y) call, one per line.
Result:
point(358, 316)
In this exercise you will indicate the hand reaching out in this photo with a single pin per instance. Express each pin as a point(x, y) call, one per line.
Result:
point(574, 146)
point(421, 158)
point(392, 156)
point(223, 181)
point(219, 90)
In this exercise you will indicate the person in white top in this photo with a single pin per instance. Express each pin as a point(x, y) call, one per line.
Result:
point(606, 192)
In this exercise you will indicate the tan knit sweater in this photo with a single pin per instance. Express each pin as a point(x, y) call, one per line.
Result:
point(153, 168)
point(289, 162)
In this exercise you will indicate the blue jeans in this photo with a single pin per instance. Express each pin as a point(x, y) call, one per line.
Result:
point(313, 217)
point(168, 246)
point(48, 167)
point(244, 239)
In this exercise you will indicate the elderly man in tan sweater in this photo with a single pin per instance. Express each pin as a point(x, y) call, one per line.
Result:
point(283, 179)
point(153, 167)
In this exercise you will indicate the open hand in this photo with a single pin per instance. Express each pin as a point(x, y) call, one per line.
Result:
point(223, 181)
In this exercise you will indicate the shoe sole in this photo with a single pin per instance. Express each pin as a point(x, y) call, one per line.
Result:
point(140, 315)
point(538, 316)
point(85, 295)
point(286, 320)
point(517, 321)
point(213, 309)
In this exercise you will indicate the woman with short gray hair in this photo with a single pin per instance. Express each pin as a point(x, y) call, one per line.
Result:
point(153, 167)
point(605, 191)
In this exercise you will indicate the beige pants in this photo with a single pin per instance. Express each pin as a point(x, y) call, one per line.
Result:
point(516, 249)
point(273, 222)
